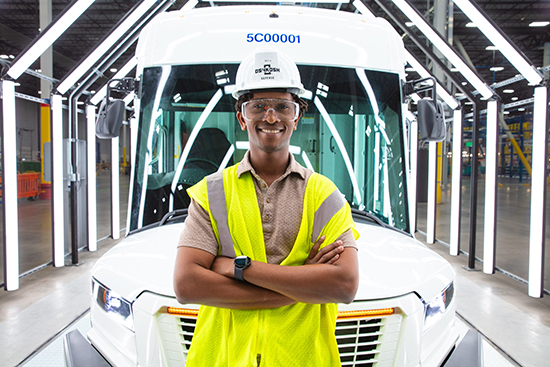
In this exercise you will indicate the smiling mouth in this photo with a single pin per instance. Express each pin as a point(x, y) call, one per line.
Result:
point(270, 131)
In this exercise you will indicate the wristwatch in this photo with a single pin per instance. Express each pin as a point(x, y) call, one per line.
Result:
point(241, 263)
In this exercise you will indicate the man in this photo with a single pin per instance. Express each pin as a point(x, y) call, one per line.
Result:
point(269, 246)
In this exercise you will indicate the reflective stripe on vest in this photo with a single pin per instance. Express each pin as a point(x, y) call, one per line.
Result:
point(330, 206)
point(216, 198)
point(218, 208)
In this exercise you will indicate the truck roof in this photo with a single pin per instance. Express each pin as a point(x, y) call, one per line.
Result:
point(310, 36)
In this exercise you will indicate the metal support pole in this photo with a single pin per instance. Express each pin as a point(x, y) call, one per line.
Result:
point(473, 189)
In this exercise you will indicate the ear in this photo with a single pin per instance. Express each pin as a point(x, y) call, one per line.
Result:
point(296, 123)
point(242, 122)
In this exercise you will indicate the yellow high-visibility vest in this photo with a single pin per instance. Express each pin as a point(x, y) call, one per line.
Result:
point(297, 335)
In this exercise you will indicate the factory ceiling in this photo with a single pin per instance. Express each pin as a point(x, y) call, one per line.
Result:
point(19, 25)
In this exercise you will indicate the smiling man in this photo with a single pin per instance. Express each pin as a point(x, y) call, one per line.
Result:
point(268, 248)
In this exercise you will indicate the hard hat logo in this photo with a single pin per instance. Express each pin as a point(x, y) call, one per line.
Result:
point(267, 68)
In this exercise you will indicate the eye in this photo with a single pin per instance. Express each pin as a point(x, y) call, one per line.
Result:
point(258, 106)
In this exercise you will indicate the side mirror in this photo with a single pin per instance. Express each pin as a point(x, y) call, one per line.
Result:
point(111, 113)
point(109, 119)
point(431, 120)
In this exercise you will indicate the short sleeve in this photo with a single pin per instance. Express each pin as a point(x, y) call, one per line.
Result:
point(198, 232)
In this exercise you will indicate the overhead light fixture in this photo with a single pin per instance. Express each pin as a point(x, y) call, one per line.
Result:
point(5, 57)
point(539, 24)
point(491, 48)
point(454, 70)
point(47, 38)
point(113, 70)
point(444, 48)
point(459, 94)
point(521, 109)
point(506, 112)
point(471, 25)
point(538, 188)
point(514, 98)
point(441, 92)
point(508, 91)
point(520, 63)
point(464, 83)
point(115, 35)
point(496, 68)
point(409, 24)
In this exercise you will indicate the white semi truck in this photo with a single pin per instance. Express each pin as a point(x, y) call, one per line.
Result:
point(354, 132)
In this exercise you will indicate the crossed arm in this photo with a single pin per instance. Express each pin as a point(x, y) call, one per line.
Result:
point(329, 275)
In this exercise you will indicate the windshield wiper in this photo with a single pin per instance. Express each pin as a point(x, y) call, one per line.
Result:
point(373, 218)
point(173, 215)
point(369, 216)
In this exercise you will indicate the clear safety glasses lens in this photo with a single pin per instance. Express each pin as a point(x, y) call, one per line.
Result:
point(257, 109)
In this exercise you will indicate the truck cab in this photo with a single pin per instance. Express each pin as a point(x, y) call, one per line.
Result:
point(354, 132)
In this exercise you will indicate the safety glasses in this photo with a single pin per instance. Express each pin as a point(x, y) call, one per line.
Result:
point(258, 109)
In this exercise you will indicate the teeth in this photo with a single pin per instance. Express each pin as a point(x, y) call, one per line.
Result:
point(270, 131)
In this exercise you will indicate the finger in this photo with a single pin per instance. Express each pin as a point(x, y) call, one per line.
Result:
point(333, 260)
point(329, 255)
point(327, 250)
point(315, 249)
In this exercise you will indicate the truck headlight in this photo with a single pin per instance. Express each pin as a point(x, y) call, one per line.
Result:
point(437, 306)
point(113, 304)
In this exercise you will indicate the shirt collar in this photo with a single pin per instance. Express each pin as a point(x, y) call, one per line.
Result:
point(293, 167)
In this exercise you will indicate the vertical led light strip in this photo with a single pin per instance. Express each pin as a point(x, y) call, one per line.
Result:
point(432, 168)
point(489, 231)
point(538, 187)
point(58, 220)
point(414, 173)
point(115, 190)
point(92, 200)
point(9, 188)
point(456, 186)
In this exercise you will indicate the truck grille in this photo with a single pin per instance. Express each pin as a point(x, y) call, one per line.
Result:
point(362, 342)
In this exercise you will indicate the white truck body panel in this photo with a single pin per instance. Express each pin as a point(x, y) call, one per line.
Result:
point(396, 271)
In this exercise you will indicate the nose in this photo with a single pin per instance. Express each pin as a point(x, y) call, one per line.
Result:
point(272, 117)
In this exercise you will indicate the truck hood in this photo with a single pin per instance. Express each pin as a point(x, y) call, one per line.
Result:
point(391, 264)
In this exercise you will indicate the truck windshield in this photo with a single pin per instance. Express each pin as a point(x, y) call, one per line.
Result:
point(352, 133)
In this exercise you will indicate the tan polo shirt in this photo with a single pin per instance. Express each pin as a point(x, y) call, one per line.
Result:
point(280, 206)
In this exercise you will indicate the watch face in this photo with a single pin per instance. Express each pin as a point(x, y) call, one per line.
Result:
point(241, 261)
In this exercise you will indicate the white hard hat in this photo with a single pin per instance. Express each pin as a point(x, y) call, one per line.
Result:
point(267, 68)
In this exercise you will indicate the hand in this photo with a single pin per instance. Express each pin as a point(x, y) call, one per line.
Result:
point(224, 266)
point(327, 255)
